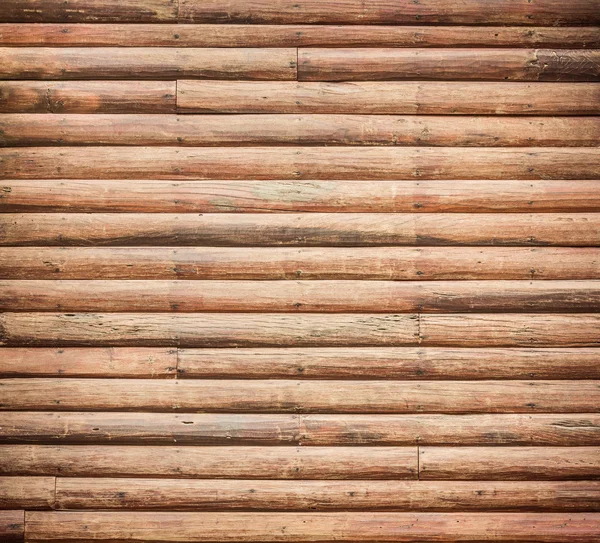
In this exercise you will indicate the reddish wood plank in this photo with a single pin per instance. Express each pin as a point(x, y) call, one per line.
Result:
point(26, 493)
point(12, 526)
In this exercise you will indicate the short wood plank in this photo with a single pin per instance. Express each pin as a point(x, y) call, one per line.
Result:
point(300, 230)
point(306, 396)
point(307, 263)
point(389, 97)
point(147, 63)
point(504, 463)
point(103, 362)
point(87, 97)
point(300, 163)
point(240, 462)
point(12, 526)
point(240, 35)
point(26, 493)
point(362, 64)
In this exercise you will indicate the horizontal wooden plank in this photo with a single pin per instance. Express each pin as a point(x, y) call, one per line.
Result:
point(26, 493)
point(311, 163)
point(236, 35)
point(307, 396)
point(282, 129)
point(319, 527)
point(95, 11)
point(515, 463)
point(302, 229)
point(547, 12)
point(109, 196)
point(301, 296)
point(147, 63)
point(477, 64)
point(104, 362)
point(87, 96)
point(218, 495)
point(238, 462)
point(581, 429)
point(12, 526)
point(261, 263)
point(314, 330)
point(389, 97)
point(405, 363)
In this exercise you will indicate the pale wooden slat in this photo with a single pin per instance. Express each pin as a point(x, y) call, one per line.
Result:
point(26, 493)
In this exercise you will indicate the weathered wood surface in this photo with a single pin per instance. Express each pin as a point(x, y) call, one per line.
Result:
point(293, 396)
point(307, 263)
point(353, 64)
point(147, 63)
point(405, 196)
point(389, 97)
point(103, 362)
point(298, 35)
point(303, 163)
point(87, 97)
point(12, 526)
point(550, 12)
point(239, 130)
point(240, 462)
point(301, 296)
point(580, 429)
point(212, 495)
point(315, 229)
point(26, 493)
point(350, 526)
point(514, 463)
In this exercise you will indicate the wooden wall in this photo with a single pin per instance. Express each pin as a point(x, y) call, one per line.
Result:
point(300, 271)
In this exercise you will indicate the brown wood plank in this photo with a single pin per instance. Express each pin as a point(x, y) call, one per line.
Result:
point(314, 229)
point(309, 263)
point(581, 429)
point(307, 396)
point(26, 493)
point(147, 63)
point(477, 64)
point(241, 130)
point(321, 527)
point(218, 495)
point(236, 35)
point(95, 11)
point(301, 296)
point(104, 362)
point(109, 196)
point(389, 97)
point(87, 97)
point(311, 163)
point(547, 12)
point(515, 463)
point(12, 526)
point(240, 462)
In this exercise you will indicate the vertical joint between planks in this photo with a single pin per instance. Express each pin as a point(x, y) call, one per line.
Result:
point(177, 363)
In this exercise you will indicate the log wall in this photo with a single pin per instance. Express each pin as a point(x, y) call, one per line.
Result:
point(300, 271)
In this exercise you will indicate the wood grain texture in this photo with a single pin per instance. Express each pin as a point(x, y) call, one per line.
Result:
point(300, 230)
point(547, 12)
point(104, 362)
point(80, 428)
point(308, 263)
point(131, 196)
point(26, 493)
point(300, 296)
point(239, 462)
point(389, 97)
point(12, 526)
point(351, 526)
point(147, 63)
point(514, 463)
point(87, 97)
point(236, 35)
point(213, 495)
point(350, 64)
point(240, 130)
point(303, 163)
point(306, 396)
